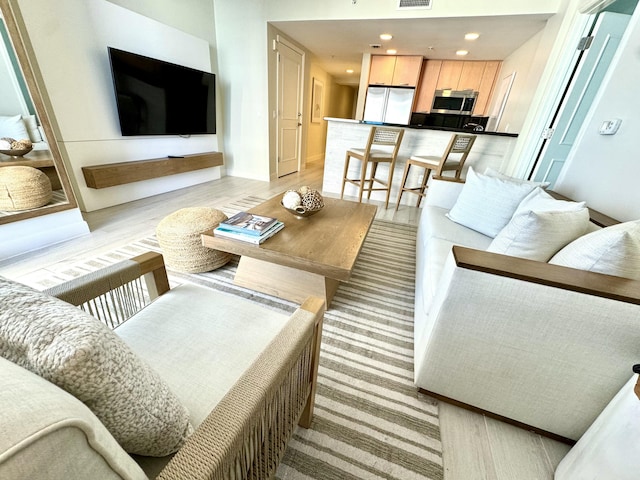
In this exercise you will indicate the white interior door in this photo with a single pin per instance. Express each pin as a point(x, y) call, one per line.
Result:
point(289, 120)
point(593, 66)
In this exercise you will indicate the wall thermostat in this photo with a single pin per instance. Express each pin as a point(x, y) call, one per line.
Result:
point(610, 127)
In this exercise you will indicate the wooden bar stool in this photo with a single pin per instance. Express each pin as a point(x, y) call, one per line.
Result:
point(379, 136)
point(452, 159)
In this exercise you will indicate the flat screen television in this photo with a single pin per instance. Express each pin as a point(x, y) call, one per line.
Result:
point(155, 97)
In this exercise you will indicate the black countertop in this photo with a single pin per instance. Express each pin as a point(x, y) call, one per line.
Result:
point(444, 129)
point(424, 127)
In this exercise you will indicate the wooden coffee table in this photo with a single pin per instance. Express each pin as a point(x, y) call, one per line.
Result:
point(310, 256)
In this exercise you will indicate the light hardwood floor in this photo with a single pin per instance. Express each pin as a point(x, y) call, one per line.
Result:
point(475, 447)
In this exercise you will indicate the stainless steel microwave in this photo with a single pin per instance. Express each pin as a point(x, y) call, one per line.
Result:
point(454, 101)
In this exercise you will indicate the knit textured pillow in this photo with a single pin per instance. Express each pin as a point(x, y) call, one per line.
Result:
point(79, 354)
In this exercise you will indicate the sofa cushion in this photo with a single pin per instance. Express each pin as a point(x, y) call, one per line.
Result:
point(436, 235)
point(201, 374)
point(613, 250)
point(486, 204)
point(37, 418)
point(540, 226)
point(73, 350)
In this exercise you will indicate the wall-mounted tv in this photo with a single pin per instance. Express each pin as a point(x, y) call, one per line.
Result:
point(155, 97)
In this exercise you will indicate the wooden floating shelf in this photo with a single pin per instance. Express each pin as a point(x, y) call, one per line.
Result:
point(112, 174)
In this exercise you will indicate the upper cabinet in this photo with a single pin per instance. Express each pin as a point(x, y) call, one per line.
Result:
point(401, 70)
point(457, 75)
point(486, 88)
point(449, 75)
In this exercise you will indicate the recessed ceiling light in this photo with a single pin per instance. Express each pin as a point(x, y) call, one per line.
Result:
point(386, 36)
point(471, 36)
point(350, 70)
point(462, 52)
point(392, 51)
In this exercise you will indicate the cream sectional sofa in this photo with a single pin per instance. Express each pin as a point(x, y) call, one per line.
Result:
point(546, 346)
point(197, 384)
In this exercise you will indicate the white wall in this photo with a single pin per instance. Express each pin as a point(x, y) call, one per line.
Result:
point(523, 62)
point(70, 39)
point(241, 38)
point(604, 170)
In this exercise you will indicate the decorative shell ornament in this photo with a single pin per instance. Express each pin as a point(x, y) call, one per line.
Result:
point(303, 202)
point(15, 148)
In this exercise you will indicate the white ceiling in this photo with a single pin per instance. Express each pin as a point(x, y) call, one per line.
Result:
point(339, 45)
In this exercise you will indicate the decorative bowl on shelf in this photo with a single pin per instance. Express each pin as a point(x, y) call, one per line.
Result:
point(303, 202)
point(19, 152)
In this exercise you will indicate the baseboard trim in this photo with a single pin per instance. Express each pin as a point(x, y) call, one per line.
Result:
point(466, 406)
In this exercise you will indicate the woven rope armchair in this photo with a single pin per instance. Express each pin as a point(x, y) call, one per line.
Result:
point(246, 434)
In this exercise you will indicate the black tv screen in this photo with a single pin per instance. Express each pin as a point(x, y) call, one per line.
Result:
point(155, 97)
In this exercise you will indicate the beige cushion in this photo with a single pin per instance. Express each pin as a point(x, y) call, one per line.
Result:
point(541, 225)
point(486, 204)
point(201, 374)
point(48, 433)
point(73, 350)
point(613, 250)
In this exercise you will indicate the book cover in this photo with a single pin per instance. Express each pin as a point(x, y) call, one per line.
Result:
point(255, 239)
point(249, 223)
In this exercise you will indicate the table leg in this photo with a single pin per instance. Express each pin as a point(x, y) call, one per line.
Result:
point(283, 282)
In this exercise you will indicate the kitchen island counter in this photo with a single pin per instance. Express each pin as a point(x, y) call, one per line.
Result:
point(490, 150)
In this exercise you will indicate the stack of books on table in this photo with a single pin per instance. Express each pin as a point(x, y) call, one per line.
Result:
point(248, 227)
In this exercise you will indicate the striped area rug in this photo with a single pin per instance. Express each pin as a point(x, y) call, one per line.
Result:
point(370, 422)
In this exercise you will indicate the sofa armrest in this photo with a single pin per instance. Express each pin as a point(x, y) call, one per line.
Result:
point(543, 345)
point(582, 281)
point(115, 293)
point(248, 430)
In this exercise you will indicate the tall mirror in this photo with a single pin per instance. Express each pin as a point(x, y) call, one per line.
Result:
point(26, 136)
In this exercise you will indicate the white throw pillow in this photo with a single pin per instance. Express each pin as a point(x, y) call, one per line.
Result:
point(539, 235)
point(79, 354)
point(613, 250)
point(486, 204)
point(490, 172)
point(540, 201)
point(541, 225)
point(13, 127)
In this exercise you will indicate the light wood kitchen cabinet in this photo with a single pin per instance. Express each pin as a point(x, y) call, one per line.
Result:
point(471, 76)
point(449, 75)
point(407, 70)
point(427, 85)
point(391, 70)
point(486, 88)
point(381, 70)
point(474, 75)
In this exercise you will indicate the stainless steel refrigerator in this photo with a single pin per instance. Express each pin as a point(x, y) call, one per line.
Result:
point(389, 105)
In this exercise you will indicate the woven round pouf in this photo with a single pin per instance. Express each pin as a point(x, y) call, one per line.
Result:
point(23, 188)
point(179, 237)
